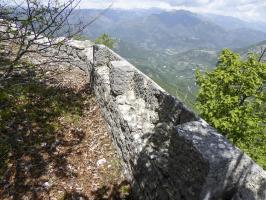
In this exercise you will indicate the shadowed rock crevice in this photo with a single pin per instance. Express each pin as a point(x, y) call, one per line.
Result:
point(159, 163)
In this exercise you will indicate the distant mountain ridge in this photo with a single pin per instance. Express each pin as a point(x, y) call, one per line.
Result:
point(179, 30)
point(169, 46)
point(231, 23)
point(255, 48)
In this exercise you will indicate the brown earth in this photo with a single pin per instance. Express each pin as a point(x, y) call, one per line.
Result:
point(53, 139)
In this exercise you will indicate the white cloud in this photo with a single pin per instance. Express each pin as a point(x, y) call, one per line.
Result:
point(244, 9)
point(126, 4)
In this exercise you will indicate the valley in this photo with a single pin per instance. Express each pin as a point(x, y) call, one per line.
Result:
point(170, 46)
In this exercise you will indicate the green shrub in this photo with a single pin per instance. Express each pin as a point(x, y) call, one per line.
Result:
point(106, 40)
point(232, 99)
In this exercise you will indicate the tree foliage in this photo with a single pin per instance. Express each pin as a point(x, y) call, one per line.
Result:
point(106, 40)
point(232, 98)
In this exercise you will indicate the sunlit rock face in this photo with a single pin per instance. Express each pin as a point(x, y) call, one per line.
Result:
point(166, 150)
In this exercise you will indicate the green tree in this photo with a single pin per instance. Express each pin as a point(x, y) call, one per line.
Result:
point(232, 99)
point(106, 40)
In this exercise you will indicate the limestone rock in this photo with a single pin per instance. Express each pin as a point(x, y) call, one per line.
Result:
point(167, 151)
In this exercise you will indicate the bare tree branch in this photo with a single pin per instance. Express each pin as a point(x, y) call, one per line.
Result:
point(34, 25)
point(262, 54)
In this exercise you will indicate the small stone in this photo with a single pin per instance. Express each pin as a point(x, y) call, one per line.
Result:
point(46, 185)
point(101, 162)
point(79, 189)
point(43, 144)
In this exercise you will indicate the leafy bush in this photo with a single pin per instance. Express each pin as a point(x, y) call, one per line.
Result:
point(232, 99)
point(106, 40)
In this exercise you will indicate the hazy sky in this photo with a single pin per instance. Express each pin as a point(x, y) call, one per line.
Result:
point(244, 9)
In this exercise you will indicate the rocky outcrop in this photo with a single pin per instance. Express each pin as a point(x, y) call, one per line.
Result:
point(166, 150)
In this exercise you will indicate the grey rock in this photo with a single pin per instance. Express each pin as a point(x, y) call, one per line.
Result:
point(166, 150)
point(121, 74)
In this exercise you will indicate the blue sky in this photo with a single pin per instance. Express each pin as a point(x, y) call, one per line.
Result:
point(248, 10)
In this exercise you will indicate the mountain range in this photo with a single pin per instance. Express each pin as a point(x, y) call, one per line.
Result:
point(169, 46)
point(177, 30)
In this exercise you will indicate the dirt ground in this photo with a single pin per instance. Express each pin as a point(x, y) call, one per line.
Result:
point(53, 139)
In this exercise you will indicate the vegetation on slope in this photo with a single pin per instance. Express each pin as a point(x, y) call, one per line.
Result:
point(52, 137)
point(106, 40)
point(53, 142)
point(232, 98)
